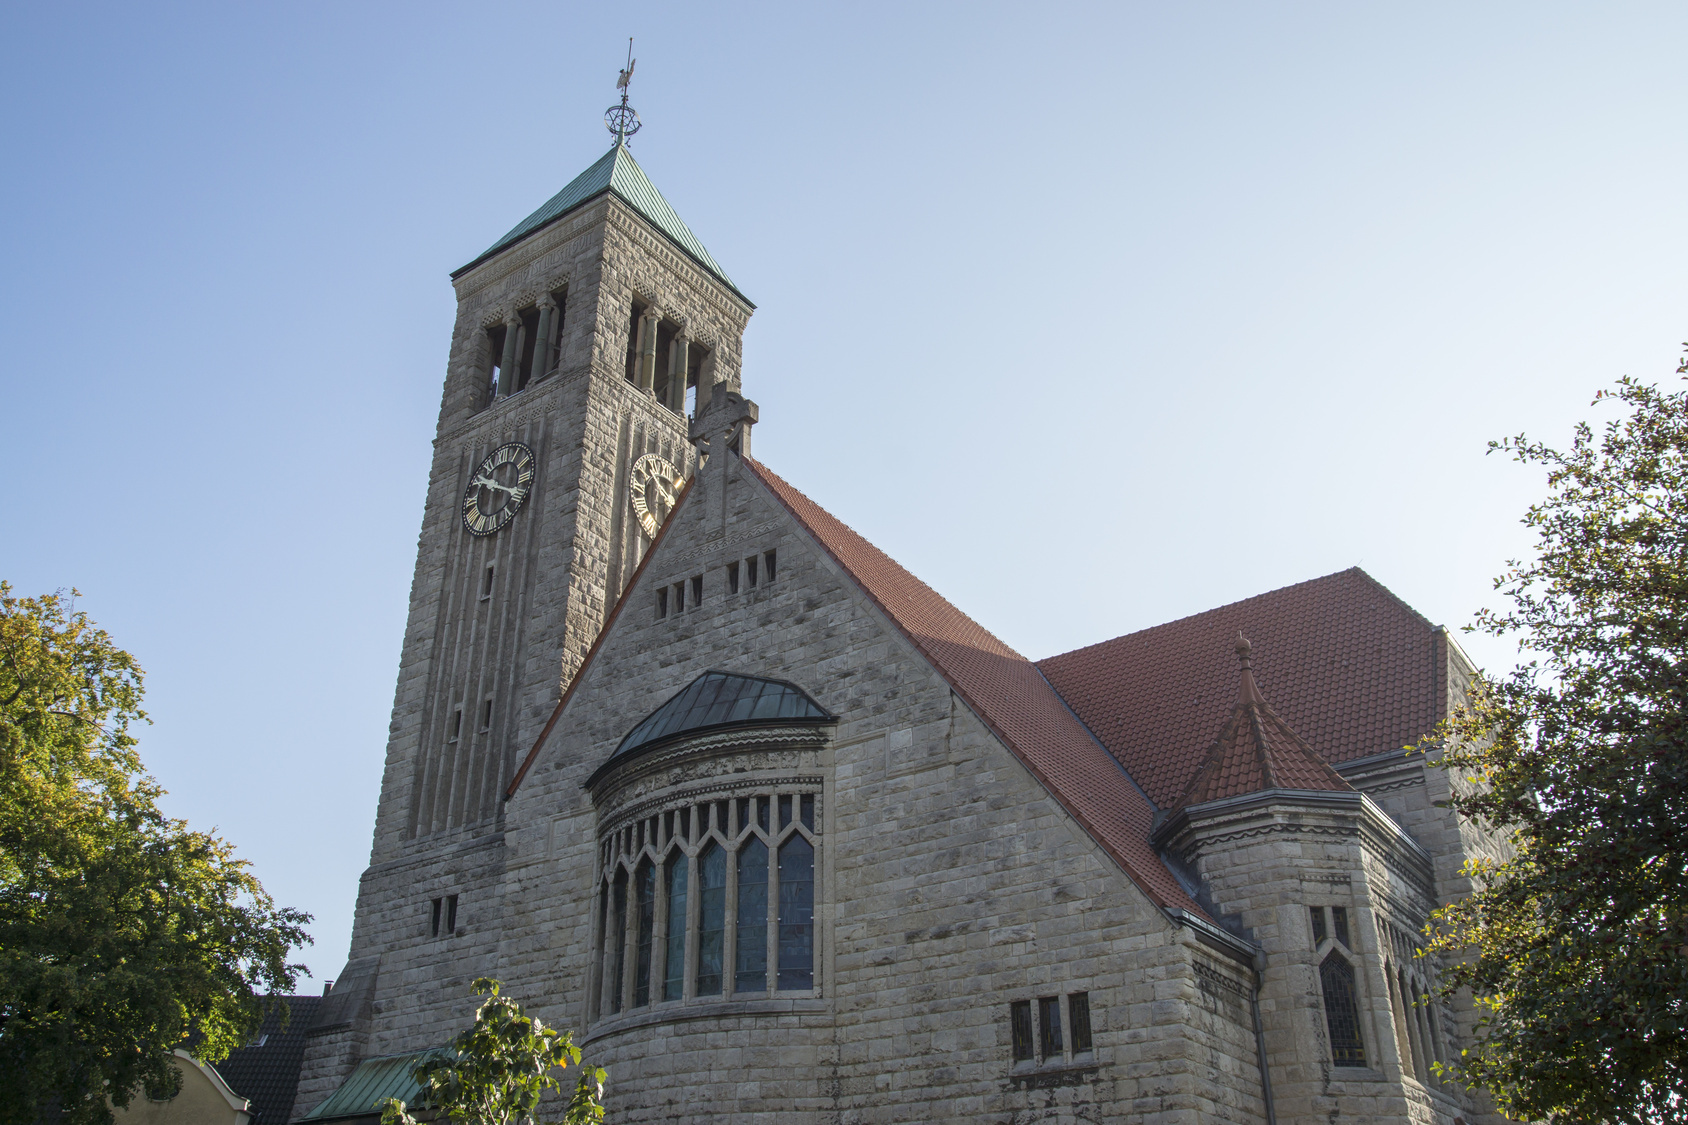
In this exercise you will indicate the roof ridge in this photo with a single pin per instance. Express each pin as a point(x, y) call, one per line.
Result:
point(1233, 605)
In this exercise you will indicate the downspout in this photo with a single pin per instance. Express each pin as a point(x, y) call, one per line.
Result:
point(1260, 1043)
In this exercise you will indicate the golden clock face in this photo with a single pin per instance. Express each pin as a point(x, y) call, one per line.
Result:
point(655, 485)
point(497, 488)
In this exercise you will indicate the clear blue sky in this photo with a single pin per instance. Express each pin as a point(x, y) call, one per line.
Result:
point(1093, 316)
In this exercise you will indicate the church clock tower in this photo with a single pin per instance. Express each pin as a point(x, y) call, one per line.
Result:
point(584, 338)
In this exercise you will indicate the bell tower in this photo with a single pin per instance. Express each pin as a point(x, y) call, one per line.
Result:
point(584, 339)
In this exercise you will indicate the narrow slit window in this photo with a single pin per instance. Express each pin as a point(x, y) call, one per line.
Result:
point(762, 813)
point(486, 583)
point(767, 566)
point(807, 815)
point(743, 814)
point(456, 723)
point(697, 589)
point(451, 914)
point(662, 602)
point(1339, 924)
point(1318, 926)
point(732, 578)
point(486, 714)
point(750, 965)
point(785, 810)
point(1078, 1020)
point(434, 926)
point(1020, 1023)
point(495, 343)
point(750, 572)
point(679, 597)
point(1049, 1026)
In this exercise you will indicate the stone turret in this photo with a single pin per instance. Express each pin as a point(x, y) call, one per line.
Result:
point(1326, 885)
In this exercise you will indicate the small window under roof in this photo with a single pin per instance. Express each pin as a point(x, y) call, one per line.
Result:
point(719, 698)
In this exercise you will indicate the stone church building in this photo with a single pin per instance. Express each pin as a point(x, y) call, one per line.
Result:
point(784, 836)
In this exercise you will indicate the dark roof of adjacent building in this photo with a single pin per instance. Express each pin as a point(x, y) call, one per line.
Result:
point(266, 1073)
point(1349, 666)
point(1007, 692)
point(372, 1083)
point(617, 173)
point(1256, 750)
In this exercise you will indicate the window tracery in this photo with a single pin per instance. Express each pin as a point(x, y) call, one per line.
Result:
point(710, 898)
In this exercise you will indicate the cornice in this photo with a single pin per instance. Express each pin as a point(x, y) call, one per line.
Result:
point(657, 245)
point(614, 775)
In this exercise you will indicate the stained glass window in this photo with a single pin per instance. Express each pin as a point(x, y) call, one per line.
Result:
point(1078, 1019)
point(674, 965)
point(1342, 1017)
point(750, 965)
point(1049, 1026)
point(712, 918)
point(644, 895)
point(1339, 923)
point(618, 953)
point(797, 913)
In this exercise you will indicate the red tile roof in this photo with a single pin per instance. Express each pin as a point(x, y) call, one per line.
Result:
point(1346, 663)
point(1005, 690)
point(1256, 750)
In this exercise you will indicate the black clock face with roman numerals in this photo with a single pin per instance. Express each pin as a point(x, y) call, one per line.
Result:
point(497, 488)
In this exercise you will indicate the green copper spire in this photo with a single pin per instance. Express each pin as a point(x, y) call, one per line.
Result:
point(616, 172)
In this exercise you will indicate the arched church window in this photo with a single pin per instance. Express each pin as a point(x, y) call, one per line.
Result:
point(1342, 1014)
point(644, 883)
point(750, 972)
point(675, 875)
point(709, 834)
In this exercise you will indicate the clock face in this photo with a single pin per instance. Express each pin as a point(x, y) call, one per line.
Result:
point(497, 488)
point(655, 484)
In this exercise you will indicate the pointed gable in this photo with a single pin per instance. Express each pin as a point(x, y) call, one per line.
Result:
point(1257, 750)
point(618, 173)
point(1353, 669)
point(1007, 692)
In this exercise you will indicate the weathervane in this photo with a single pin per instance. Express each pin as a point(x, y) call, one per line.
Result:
point(621, 119)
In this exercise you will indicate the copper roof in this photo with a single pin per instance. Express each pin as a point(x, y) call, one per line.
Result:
point(1256, 750)
point(1349, 666)
point(1005, 690)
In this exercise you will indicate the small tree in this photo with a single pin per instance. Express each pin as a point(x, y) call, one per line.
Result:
point(123, 934)
point(499, 1069)
point(1576, 947)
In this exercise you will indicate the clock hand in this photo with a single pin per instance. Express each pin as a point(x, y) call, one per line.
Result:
point(488, 482)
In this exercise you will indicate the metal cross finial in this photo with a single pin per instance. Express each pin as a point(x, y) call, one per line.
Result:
point(621, 119)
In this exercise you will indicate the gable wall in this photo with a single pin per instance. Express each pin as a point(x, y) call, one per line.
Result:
point(949, 884)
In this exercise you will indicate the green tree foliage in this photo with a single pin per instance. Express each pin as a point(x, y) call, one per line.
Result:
point(499, 1069)
point(1576, 947)
point(123, 934)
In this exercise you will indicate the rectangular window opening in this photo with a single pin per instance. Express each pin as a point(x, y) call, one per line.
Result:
point(679, 597)
point(697, 589)
point(750, 572)
point(785, 810)
point(456, 724)
point(495, 343)
point(732, 578)
point(636, 313)
point(526, 342)
point(451, 914)
point(1339, 924)
point(1318, 926)
point(1078, 1020)
point(434, 925)
point(768, 566)
point(808, 812)
point(1020, 1021)
point(486, 714)
point(661, 602)
point(486, 583)
point(1049, 1026)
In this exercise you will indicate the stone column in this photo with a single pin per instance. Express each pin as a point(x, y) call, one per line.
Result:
point(507, 365)
point(677, 362)
point(647, 350)
point(542, 338)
